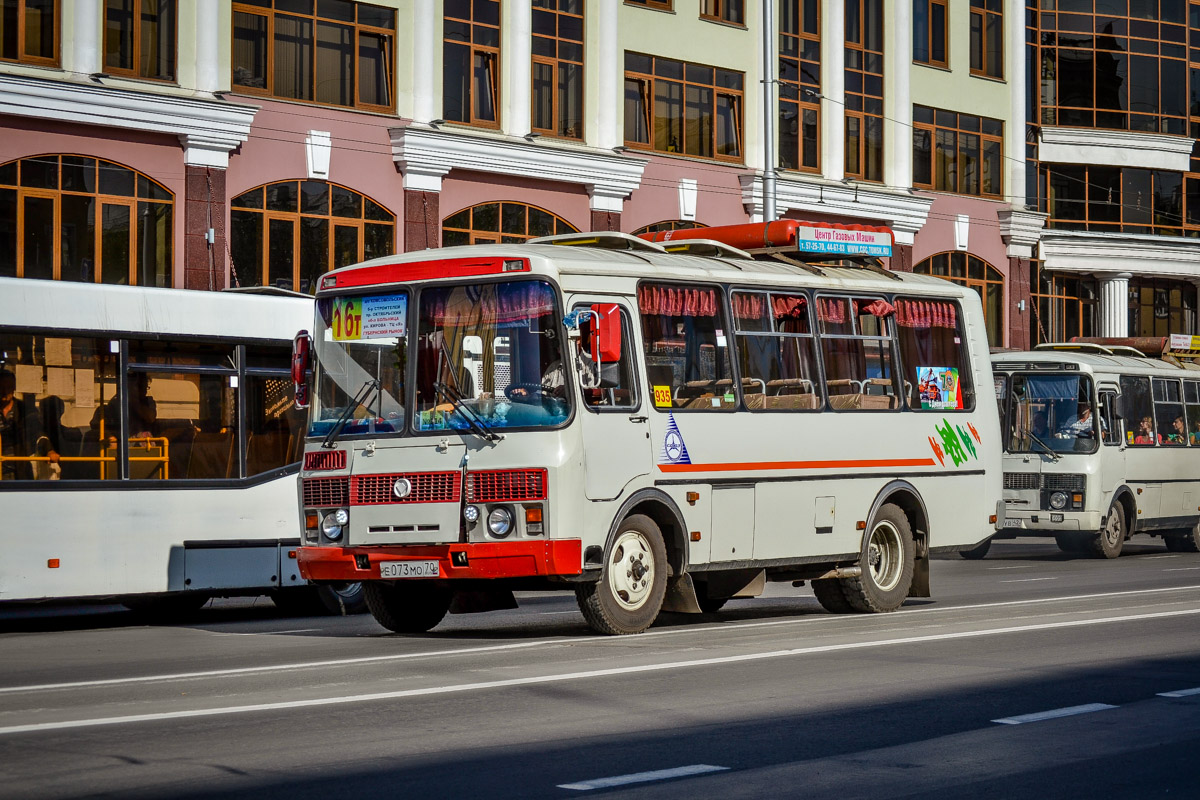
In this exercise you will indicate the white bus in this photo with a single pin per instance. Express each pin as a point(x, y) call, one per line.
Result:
point(1101, 441)
point(657, 430)
point(148, 445)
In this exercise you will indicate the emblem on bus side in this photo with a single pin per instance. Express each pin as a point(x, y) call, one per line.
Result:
point(674, 450)
point(402, 488)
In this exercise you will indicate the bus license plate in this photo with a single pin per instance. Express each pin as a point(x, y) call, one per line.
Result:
point(1012, 523)
point(409, 569)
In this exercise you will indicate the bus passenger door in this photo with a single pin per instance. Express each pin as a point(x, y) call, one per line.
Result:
point(613, 414)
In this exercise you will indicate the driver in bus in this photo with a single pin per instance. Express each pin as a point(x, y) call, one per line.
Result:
point(1078, 426)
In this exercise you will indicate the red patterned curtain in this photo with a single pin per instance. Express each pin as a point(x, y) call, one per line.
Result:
point(789, 306)
point(748, 306)
point(677, 301)
point(925, 314)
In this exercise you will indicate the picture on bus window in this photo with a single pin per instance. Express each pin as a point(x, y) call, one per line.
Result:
point(938, 387)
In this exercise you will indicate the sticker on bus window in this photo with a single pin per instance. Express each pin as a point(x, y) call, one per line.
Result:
point(938, 388)
point(373, 317)
point(662, 397)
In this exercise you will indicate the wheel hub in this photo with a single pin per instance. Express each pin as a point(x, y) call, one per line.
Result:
point(631, 570)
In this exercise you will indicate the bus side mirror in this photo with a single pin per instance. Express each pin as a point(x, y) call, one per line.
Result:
point(301, 360)
point(605, 344)
point(1118, 406)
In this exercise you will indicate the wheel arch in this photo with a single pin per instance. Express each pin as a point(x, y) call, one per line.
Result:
point(904, 495)
point(659, 507)
point(1124, 496)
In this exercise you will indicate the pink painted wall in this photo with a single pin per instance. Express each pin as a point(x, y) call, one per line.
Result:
point(983, 238)
point(718, 194)
point(463, 188)
point(361, 158)
point(158, 156)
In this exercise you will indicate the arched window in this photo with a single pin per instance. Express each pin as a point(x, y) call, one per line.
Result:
point(77, 218)
point(501, 222)
point(288, 234)
point(986, 280)
point(668, 225)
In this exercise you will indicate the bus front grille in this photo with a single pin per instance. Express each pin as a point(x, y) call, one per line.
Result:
point(1022, 480)
point(326, 492)
point(424, 487)
point(1052, 481)
point(506, 485)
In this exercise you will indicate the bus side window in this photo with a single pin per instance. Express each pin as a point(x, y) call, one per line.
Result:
point(614, 385)
point(1139, 411)
point(775, 352)
point(1110, 425)
point(1168, 412)
point(856, 347)
point(1191, 396)
point(687, 353)
point(936, 373)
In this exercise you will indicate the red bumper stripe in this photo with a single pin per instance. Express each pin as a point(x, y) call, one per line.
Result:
point(521, 559)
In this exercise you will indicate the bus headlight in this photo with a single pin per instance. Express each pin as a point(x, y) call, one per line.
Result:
point(333, 523)
point(500, 522)
point(471, 514)
point(1058, 500)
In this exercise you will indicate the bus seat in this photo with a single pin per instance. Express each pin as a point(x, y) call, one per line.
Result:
point(793, 402)
point(756, 402)
point(211, 456)
point(861, 402)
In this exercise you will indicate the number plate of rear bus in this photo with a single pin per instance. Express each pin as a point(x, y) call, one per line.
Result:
point(409, 569)
point(1012, 523)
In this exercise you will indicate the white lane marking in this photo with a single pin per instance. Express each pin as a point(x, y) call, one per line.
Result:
point(573, 676)
point(1018, 566)
point(1180, 569)
point(1151, 558)
point(642, 777)
point(853, 619)
point(264, 633)
point(1054, 714)
point(1028, 580)
point(1180, 693)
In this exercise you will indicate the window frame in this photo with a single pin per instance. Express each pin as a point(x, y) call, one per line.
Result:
point(483, 236)
point(135, 34)
point(629, 351)
point(807, 95)
point(721, 10)
point(41, 61)
point(269, 13)
point(858, 100)
point(555, 65)
point(657, 5)
point(930, 35)
point(966, 375)
point(470, 100)
point(889, 339)
point(818, 382)
point(932, 129)
point(992, 62)
point(976, 284)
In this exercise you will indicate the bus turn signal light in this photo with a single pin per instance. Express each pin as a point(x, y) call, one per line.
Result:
point(310, 520)
point(52, 563)
point(692, 497)
point(695, 536)
point(992, 519)
point(533, 515)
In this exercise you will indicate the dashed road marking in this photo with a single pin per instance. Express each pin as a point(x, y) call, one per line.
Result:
point(1055, 713)
point(642, 777)
point(1028, 580)
point(1180, 569)
point(1180, 693)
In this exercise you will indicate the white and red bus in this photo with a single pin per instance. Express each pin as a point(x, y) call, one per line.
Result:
point(655, 429)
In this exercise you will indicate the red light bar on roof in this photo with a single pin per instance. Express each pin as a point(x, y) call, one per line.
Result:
point(810, 238)
point(433, 269)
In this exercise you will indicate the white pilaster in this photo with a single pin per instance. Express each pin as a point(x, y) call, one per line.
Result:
point(425, 38)
point(1114, 304)
point(208, 46)
point(833, 90)
point(610, 62)
point(897, 136)
point(516, 52)
point(85, 55)
point(1014, 130)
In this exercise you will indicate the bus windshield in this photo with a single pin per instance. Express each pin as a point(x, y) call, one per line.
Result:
point(1051, 412)
point(361, 348)
point(491, 350)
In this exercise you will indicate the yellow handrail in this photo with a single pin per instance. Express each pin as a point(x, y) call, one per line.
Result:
point(141, 442)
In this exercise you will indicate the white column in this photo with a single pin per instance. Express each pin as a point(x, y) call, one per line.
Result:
point(833, 90)
point(208, 46)
point(516, 53)
point(1014, 131)
point(85, 55)
point(424, 41)
point(1114, 304)
point(609, 62)
point(897, 138)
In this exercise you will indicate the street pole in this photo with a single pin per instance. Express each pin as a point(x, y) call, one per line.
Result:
point(768, 118)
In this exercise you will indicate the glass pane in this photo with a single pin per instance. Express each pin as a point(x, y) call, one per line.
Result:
point(668, 117)
point(335, 64)
point(39, 28)
point(157, 43)
point(348, 204)
point(38, 242)
point(314, 197)
point(541, 223)
point(484, 86)
point(729, 124)
point(149, 190)
point(375, 68)
point(40, 173)
point(117, 180)
point(114, 244)
point(8, 233)
point(78, 227)
point(293, 57)
point(456, 59)
point(246, 248)
point(78, 174)
point(251, 199)
point(282, 196)
point(699, 123)
point(512, 218)
point(543, 96)
point(345, 245)
point(486, 217)
point(314, 252)
point(154, 244)
point(280, 253)
point(249, 50)
point(275, 427)
point(378, 240)
point(570, 100)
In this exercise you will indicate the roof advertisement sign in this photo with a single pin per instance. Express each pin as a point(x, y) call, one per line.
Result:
point(843, 241)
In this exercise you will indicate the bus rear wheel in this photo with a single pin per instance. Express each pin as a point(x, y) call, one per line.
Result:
point(887, 563)
point(1183, 541)
point(1107, 543)
point(831, 597)
point(407, 606)
point(630, 592)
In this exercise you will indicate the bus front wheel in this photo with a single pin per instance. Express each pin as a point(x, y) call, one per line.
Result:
point(407, 606)
point(630, 592)
point(887, 563)
point(1107, 543)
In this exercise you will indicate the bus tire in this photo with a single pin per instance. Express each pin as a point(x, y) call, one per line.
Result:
point(1071, 542)
point(342, 599)
point(1186, 540)
point(887, 563)
point(1109, 540)
point(977, 552)
point(633, 583)
point(407, 606)
point(831, 597)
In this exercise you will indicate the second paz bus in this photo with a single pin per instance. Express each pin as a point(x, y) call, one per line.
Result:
point(658, 426)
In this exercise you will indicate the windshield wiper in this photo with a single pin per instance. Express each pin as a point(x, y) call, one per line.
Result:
point(344, 417)
point(477, 425)
point(1045, 446)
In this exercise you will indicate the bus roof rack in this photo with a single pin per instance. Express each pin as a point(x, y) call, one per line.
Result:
point(606, 240)
point(1094, 347)
point(705, 247)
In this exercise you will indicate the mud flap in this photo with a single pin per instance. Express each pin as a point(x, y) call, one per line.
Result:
point(920, 581)
point(476, 602)
point(681, 595)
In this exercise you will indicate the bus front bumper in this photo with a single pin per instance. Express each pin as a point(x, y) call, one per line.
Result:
point(1049, 522)
point(487, 560)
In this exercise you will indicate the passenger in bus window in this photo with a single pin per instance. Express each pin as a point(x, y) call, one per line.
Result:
point(1194, 436)
point(143, 412)
point(1178, 434)
point(20, 433)
point(1145, 432)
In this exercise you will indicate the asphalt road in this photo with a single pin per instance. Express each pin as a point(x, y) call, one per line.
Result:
point(1029, 674)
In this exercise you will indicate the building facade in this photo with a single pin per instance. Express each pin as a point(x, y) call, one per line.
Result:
point(209, 143)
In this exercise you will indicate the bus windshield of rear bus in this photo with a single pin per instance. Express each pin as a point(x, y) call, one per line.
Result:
point(1051, 413)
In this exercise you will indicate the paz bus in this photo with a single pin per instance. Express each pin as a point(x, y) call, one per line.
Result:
point(658, 426)
point(148, 446)
point(1102, 441)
